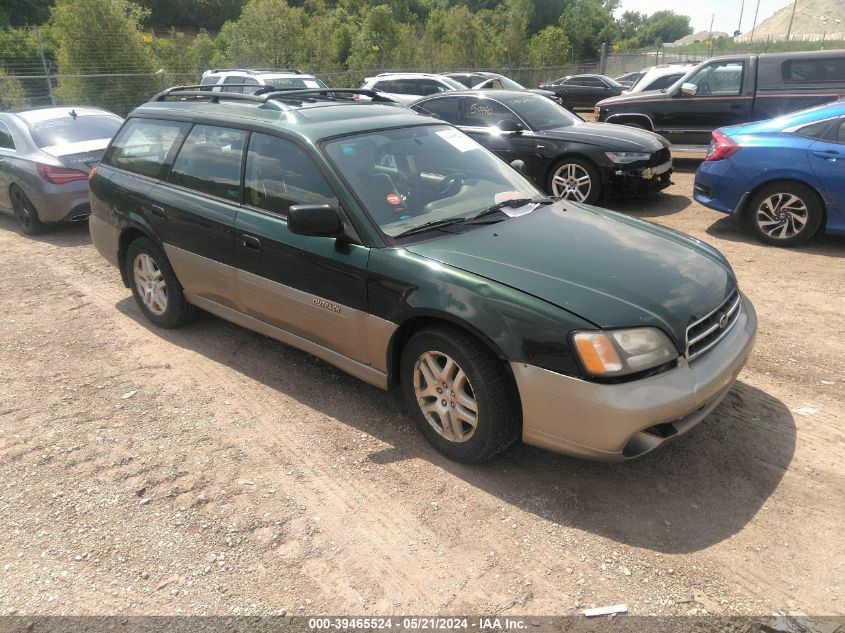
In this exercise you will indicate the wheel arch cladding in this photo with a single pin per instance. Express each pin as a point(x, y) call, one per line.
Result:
point(127, 236)
point(424, 321)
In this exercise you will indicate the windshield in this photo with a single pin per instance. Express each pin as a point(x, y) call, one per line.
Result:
point(457, 85)
point(294, 83)
point(411, 176)
point(613, 82)
point(67, 129)
point(541, 113)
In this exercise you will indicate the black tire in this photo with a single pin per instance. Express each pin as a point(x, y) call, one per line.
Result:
point(26, 215)
point(497, 413)
point(785, 214)
point(572, 166)
point(176, 310)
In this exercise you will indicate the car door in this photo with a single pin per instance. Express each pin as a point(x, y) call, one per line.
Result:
point(724, 96)
point(194, 211)
point(7, 151)
point(312, 287)
point(479, 118)
point(827, 157)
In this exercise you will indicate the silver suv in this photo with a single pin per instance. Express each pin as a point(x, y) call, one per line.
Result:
point(408, 87)
point(241, 79)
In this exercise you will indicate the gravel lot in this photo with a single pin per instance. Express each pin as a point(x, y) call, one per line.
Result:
point(209, 470)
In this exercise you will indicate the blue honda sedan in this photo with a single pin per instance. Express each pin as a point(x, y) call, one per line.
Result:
point(785, 177)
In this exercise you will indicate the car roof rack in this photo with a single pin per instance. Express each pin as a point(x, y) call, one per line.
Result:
point(310, 95)
point(254, 71)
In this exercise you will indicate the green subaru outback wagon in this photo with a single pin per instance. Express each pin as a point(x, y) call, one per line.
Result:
point(398, 249)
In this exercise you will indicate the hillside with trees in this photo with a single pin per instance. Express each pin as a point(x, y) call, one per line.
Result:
point(162, 39)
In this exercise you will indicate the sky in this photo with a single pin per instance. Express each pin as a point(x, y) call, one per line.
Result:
point(727, 11)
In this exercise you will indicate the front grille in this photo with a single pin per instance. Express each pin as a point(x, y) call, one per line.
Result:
point(706, 332)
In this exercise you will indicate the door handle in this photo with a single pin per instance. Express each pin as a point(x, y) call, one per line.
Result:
point(251, 242)
point(828, 154)
point(157, 210)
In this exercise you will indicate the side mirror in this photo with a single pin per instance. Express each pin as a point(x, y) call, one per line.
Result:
point(689, 90)
point(519, 166)
point(510, 126)
point(318, 220)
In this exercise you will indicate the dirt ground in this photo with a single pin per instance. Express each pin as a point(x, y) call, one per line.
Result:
point(210, 470)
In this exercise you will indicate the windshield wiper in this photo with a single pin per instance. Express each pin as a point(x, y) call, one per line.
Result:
point(512, 203)
point(438, 224)
point(430, 226)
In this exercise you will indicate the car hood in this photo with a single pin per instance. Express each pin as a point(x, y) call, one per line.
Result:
point(631, 97)
point(617, 137)
point(607, 268)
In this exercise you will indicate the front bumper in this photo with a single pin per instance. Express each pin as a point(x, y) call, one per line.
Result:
point(616, 422)
point(640, 180)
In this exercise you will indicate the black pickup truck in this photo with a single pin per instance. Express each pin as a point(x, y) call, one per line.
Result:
point(727, 91)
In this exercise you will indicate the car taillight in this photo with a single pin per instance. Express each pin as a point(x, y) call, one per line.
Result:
point(721, 147)
point(92, 172)
point(60, 175)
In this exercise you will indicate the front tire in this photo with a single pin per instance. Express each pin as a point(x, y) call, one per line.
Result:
point(26, 214)
point(154, 285)
point(785, 214)
point(575, 179)
point(458, 395)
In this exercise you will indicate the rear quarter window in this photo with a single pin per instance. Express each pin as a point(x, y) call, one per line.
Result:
point(145, 146)
point(810, 71)
point(210, 161)
point(6, 140)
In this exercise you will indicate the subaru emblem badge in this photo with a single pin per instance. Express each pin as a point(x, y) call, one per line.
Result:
point(723, 321)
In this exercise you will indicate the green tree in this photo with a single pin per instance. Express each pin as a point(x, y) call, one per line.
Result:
point(268, 33)
point(11, 93)
point(549, 47)
point(664, 26)
point(588, 24)
point(24, 12)
point(102, 37)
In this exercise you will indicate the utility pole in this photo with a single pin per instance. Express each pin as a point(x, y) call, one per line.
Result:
point(741, 10)
point(791, 20)
point(44, 65)
point(754, 24)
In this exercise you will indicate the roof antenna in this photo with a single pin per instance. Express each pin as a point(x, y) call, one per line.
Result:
point(73, 114)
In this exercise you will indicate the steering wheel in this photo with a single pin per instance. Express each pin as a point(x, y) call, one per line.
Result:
point(450, 185)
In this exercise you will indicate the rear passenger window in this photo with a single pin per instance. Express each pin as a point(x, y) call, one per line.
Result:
point(6, 141)
point(210, 161)
point(145, 146)
point(807, 71)
point(814, 130)
point(280, 174)
point(446, 108)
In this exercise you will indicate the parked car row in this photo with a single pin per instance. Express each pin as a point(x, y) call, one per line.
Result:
point(391, 242)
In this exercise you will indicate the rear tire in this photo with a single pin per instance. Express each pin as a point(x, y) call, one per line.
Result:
point(785, 214)
point(154, 285)
point(26, 214)
point(458, 395)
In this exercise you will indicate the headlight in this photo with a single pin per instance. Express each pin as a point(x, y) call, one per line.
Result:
point(623, 158)
point(621, 352)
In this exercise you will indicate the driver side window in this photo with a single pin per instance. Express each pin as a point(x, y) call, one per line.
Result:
point(719, 79)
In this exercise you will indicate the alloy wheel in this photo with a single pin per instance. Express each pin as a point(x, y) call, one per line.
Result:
point(572, 182)
point(782, 216)
point(149, 280)
point(445, 396)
